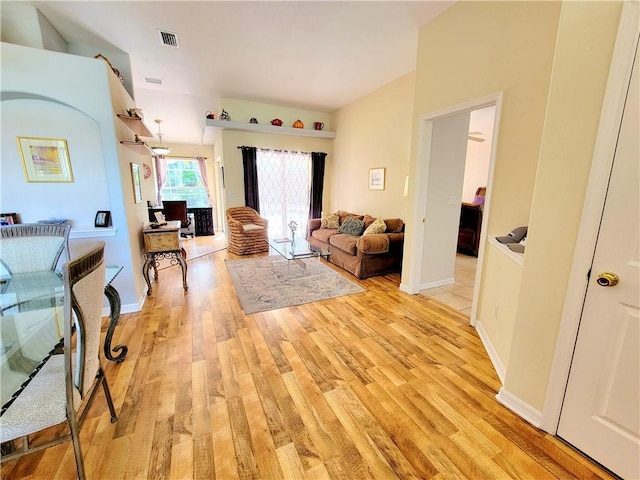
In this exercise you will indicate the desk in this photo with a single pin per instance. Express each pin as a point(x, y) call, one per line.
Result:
point(32, 325)
point(163, 243)
point(203, 217)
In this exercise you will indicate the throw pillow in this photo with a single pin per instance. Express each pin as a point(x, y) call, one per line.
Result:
point(394, 225)
point(351, 226)
point(329, 220)
point(378, 226)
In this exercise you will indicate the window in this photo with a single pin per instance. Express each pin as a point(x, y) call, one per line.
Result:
point(184, 181)
point(284, 186)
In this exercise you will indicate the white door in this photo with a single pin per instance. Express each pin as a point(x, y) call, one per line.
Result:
point(600, 414)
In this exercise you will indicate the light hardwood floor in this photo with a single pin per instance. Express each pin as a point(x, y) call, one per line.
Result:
point(379, 384)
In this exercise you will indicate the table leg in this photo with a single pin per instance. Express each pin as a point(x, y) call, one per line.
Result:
point(145, 271)
point(183, 266)
point(114, 303)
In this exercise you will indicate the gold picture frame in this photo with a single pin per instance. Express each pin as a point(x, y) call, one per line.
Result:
point(135, 178)
point(45, 159)
point(376, 178)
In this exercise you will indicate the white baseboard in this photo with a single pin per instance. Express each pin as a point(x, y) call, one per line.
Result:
point(406, 289)
point(520, 408)
point(128, 308)
point(491, 351)
point(437, 283)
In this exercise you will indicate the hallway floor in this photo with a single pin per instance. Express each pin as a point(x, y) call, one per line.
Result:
point(458, 295)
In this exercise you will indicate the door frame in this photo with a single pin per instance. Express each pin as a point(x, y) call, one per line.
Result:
point(421, 176)
point(595, 196)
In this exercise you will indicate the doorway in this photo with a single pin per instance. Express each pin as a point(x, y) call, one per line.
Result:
point(440, 133)
point(458, 294)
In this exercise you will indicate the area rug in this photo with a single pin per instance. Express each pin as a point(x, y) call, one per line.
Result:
point(197, 247)
point(267, 283)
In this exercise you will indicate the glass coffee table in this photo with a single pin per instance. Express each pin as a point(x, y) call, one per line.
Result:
point(297, 250)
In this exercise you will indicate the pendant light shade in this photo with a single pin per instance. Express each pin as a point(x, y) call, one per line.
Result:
point(160, 149)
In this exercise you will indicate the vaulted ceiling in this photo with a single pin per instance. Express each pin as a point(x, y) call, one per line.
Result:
point(317, 55)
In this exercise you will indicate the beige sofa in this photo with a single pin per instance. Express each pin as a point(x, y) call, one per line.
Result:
point(365, 255)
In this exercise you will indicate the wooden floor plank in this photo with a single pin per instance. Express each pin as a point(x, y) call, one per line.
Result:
point(380, 384)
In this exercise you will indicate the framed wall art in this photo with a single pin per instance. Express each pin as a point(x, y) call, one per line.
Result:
point(45, 159)
point(135, 178)
point(376, 178)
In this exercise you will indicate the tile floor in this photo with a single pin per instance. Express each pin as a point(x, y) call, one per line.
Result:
point(458, 295)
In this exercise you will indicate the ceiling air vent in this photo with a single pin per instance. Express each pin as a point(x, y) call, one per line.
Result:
point(167, 38)
point(157, 81)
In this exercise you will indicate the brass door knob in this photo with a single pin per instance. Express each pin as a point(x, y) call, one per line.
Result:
point(608, 279)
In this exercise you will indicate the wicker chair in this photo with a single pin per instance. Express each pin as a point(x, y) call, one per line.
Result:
point(248, 232)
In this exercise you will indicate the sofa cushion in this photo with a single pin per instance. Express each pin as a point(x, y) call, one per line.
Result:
point(377, 226)
point(373, 243)
point(323, 234)
point(329, 220)
point(346, 243)
point(248, 227)
point(368, 220)
point(351, 226)
point(344, 215)
point(394, 225)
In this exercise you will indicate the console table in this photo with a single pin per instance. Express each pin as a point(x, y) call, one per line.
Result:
point(163, 243)
point(203, 217)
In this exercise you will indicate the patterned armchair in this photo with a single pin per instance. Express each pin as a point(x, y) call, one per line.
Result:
point(248, 231)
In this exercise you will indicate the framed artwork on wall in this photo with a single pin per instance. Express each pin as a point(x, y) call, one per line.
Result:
point(135, 178)
point(376, 178)
point(45, 159)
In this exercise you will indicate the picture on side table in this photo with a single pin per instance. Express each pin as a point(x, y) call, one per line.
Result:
point(45, 159)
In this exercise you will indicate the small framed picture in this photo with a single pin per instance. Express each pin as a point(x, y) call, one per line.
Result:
point(103, 218)
point(45, 159)
point(135, 178)
point(376, 178)
point(8, 218)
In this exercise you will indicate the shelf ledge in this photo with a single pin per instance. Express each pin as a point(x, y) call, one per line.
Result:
point(136, 125)
point(515, 256)
point(92, 232)
point(261, 128)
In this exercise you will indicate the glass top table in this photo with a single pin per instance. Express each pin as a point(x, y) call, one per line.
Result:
point(32, 324)
point(296, 251)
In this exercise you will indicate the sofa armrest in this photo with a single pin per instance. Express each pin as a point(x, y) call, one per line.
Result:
point(396, 238)
point(314, 224)
point(374, 243)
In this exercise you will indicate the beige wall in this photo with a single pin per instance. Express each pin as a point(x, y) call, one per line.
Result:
point(586, 36)
point(374, 131)
point(472, 50)
point(228, 141)
point(552, 95)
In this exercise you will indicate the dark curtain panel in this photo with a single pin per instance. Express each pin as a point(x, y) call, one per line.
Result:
point(317, 183)
point(251, 198)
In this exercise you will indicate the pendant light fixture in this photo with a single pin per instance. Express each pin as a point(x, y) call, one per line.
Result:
point(160, 149)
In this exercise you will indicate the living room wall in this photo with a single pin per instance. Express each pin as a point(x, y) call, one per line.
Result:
point(77, 104)
point(228, 141)
point(372, 132)
point(551, 61)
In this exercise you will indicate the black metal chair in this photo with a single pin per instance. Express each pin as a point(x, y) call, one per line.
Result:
point(177, 210)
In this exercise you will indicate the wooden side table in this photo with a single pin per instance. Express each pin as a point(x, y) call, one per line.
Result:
point(163, 243)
